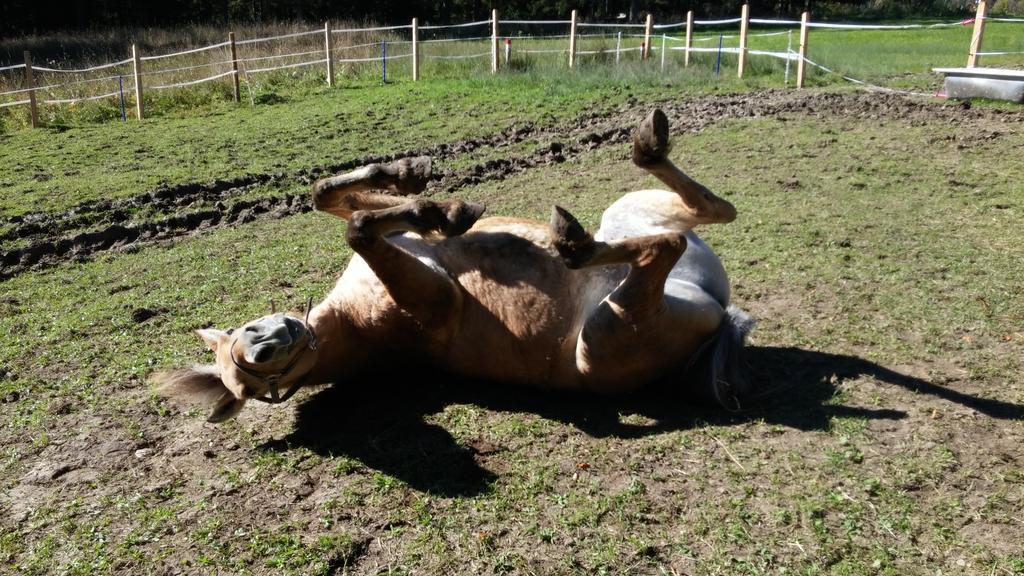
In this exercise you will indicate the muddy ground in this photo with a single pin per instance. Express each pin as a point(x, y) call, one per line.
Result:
point(39, 240)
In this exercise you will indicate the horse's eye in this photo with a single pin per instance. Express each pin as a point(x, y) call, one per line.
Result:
point(231, 331)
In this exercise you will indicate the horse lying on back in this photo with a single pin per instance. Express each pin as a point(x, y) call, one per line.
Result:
point(500, 299)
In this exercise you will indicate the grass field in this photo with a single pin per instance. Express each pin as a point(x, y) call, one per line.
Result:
point(878, 246)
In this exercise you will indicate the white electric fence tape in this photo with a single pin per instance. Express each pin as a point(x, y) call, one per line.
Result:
point(190, 82)
point(296, 65)
point(183, 52)
point(466, 25)
point(606, 25)
point(461, 57)
point(279, 56)
point(281, 37)
point(535, 22)
point(79, 70)
point(83, 99)
point(715, 22)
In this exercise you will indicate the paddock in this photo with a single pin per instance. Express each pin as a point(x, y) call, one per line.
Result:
point(877, 244)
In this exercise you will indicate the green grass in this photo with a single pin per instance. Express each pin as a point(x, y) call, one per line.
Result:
point(902, 59)
point(53, 169)
point(878, 240)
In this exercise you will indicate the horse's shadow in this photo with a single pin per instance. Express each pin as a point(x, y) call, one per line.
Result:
point(381, 420)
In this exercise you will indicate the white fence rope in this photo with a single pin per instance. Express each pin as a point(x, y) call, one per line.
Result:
point(607, 25)
point(279, 56)
point(666, 26)
point(191, 82)
point(607, 51)
point(716, 22)
point(371, 29)
point(355, 60)
point(281, 37)
point(828, 25)
point(997, 53)
point(183, 52)
point(80, 70)
point(15, 67)
point(181, 69)
point(775, 22)
point(867, 85)
point(82, 99)
point(352, 47)
point(541, 37)
point(15, 103)
point(296, 65)
point(460, 57)
point(473, 39)
point(562, 51)
point(535, 22)
point(466, 25)
point(51, 86)
point(1005, 19)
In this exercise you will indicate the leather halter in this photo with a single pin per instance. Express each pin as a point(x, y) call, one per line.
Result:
point(273, 380)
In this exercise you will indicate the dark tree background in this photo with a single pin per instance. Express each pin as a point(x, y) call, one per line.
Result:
point(23, 17)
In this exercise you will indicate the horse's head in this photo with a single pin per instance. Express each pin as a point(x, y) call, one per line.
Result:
point(255, 362)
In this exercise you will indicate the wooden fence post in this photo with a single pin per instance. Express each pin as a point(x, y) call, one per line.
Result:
point(646, 51)
point(744, 25)
point(689, 37)
point(415, 49)
point(572, 40)
point(664, 50)
point(329, 48)
point(494, 41)
point(234, 66)
point(137, 71)
point(805, 19)
point(30, 83)
point(979, 33)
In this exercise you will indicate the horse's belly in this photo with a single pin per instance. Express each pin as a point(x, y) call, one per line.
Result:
point(523, 333)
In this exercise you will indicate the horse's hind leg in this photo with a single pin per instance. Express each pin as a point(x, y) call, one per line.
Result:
point(346, 193)
point(650, 152)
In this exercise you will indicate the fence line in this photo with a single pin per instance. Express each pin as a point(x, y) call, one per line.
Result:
point(184, 52)
point(330, 53)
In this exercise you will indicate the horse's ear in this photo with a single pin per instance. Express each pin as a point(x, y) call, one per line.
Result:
point(201, 384)
point(211, 336)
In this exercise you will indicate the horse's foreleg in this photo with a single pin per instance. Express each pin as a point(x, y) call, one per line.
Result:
point(347, 193)
point(418, 287)
point(634, 334)
point(650, 258)
point(650, 152)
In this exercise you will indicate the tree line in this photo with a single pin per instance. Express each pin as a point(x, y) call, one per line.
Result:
point(25, 17)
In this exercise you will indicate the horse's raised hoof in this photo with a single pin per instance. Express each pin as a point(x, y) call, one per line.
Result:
point(650, 142)
point(460, 216)
point(574, 244)
point(411, 175)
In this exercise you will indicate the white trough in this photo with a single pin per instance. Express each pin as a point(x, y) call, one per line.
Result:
point(995, 83)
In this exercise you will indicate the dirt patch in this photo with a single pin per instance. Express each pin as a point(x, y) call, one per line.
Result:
point(51, 238)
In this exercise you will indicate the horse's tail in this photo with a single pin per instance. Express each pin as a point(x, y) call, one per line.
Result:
point(719, 371)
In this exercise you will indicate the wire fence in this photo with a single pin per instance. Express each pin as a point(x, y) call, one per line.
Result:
point(502, 42)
